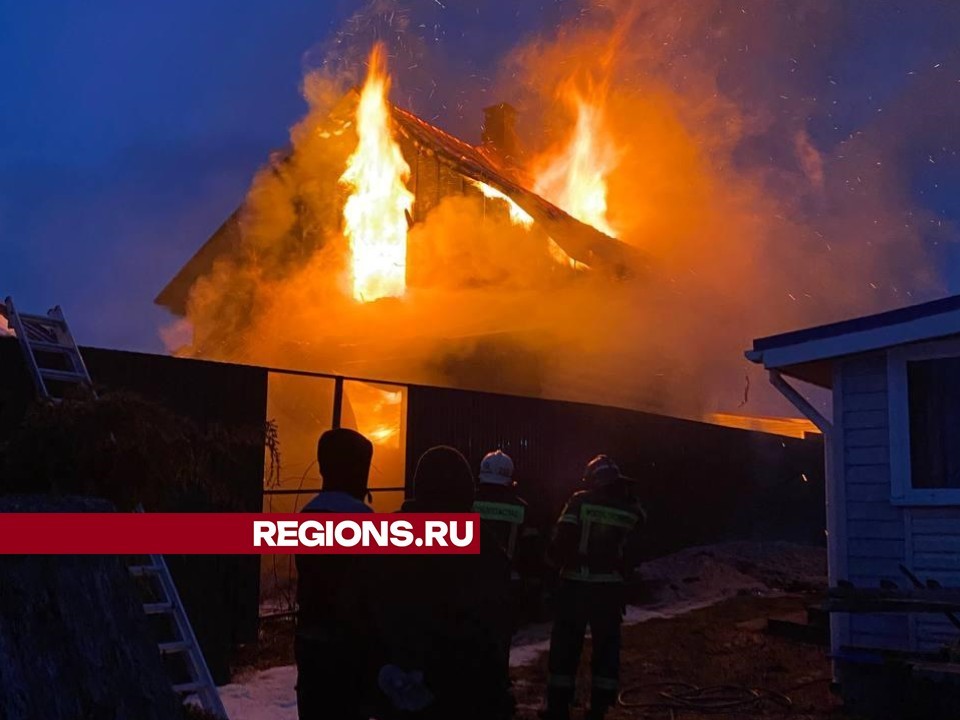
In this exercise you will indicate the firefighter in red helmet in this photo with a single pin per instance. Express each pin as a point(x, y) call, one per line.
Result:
point(588, 549)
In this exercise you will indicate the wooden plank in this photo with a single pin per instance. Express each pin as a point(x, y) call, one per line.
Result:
point(871, 364)
point(936, 543)
point(880, 641)
point(872, 437)
point(861, 474)
point(942, 595)
point(865, 402)
point(867, 382)
point(937, 626)
point(872, 493)
point(876, 510)
point(876, 568)
point(938, 513)
point(937, 672)
point(934, 561)
point(862, 548)
point(863, 419)
point(858, 456)
point(881, 600)
point(892, 626)
point(873, 581)
point(925, 526)
point(932, 645)
point(880, 605)
point(876, 529)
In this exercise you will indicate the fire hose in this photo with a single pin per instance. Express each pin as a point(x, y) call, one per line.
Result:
point(675, 696)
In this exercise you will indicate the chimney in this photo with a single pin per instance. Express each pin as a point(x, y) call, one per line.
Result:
point(499, 130)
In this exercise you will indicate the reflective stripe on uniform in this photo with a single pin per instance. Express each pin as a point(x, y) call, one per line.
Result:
point(569, 518)
point(503, 512)
point(561, 681)
point(605, 683)
point(605, 515)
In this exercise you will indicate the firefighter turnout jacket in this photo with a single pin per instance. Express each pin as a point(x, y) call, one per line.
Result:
point(591, 535)
point(502, 513)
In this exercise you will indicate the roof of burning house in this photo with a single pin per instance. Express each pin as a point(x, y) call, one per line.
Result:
point(806, 353)
point(482, 163)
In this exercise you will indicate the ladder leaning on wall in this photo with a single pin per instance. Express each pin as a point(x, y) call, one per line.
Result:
point(56, 365)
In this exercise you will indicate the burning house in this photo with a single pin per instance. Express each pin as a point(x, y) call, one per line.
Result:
point(394, 173)
point(381, 246)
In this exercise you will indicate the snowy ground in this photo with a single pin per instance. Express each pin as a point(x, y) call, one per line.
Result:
point(266, 695)
point(689, 580)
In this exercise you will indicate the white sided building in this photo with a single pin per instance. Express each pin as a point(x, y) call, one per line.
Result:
point(893, 461)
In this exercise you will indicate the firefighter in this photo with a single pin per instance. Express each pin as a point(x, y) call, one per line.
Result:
point(588, 548)
point(502, 511)
point(335, 648)
point(503, 514)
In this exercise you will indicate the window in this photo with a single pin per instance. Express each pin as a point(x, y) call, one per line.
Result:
point(924, 397)
point(933, 388)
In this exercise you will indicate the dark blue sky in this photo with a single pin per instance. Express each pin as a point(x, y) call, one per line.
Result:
point(129, 130)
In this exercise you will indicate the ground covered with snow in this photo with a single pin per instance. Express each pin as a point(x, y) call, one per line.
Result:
point(699, 622)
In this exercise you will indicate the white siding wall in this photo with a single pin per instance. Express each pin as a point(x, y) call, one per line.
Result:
point(875, 529)
point(934, 554)
point(879, 535)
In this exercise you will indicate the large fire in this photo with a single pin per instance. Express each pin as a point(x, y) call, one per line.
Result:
point(575, 177)
point(375, 213)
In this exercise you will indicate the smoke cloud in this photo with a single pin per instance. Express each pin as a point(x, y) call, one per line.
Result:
point(758, 211)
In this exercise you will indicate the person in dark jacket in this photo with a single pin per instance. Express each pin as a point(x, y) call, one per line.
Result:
point(588, 548)
point(439, 614)
point(335, 645)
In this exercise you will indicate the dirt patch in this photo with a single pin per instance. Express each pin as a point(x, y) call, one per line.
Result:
point(725, 644)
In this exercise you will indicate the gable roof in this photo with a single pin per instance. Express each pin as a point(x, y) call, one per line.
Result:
point(807, 353)
point(580, 241)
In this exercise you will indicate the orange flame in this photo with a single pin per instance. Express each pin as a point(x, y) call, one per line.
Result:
point(518, 216)
point(374, 214)
point(378, 413)
point(575, 178)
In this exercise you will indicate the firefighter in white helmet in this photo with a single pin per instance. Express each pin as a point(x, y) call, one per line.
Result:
point(500, 508)
point(502, 514)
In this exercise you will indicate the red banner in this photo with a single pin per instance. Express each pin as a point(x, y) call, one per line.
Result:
point(238, 533)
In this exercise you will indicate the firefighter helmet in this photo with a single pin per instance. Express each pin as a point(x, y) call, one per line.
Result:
point(496, 468)
point(602, 471)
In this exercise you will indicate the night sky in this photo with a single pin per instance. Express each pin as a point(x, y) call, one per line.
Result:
point(130, 130)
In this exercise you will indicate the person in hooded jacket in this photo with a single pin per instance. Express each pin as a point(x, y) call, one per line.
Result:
point(439, 614)
point(335, 646)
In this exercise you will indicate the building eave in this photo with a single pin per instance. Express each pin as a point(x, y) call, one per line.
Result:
point(796, 353)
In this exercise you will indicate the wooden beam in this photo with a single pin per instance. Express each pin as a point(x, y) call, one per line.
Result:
point(916, 600)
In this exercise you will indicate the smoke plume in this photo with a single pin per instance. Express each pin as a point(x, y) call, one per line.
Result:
point(758, 211)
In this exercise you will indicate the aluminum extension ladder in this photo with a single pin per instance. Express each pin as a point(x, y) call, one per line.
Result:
point(50, 351)
point(164, 600)
point(55, 363)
